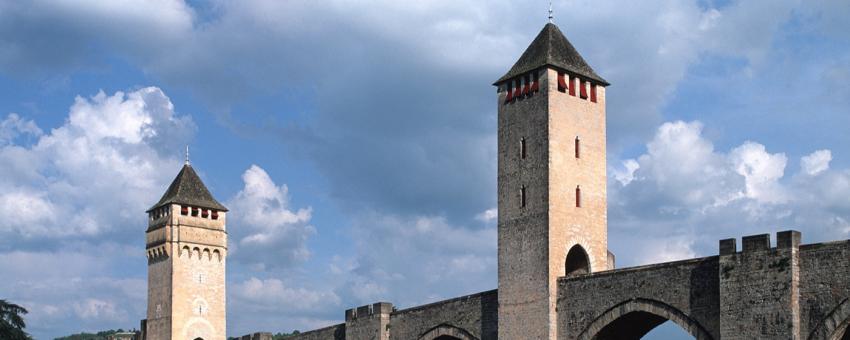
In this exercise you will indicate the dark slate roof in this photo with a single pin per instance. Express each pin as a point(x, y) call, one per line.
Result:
point(188, 189)
point(551, 48)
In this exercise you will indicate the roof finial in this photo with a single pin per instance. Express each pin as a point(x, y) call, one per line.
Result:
point(551, 17)
point(187, 154)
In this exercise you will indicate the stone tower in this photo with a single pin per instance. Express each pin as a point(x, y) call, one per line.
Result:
point(186, 249)
point(551, 182)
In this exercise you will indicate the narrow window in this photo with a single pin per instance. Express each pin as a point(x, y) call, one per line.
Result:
point(593, 92)
point(583, 88)
point(578, 196)
point(578, 147)
point(195, 211)
point(184, 210)
point(215, 214)
point(509, 91)
point(562, 83)
point(522, 196)
point(522, 150)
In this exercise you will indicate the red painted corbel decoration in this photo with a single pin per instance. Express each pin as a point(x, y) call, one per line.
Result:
point(583, 87)
point(593, 92)
point(562, 83)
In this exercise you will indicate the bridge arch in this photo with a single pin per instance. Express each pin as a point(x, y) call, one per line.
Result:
point(447, 332)
point(636, 317)
point(834, 325)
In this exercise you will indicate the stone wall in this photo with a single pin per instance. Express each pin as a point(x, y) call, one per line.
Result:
point(759, 290)
point(476, 315)
point(683, 291)
point(824, 289)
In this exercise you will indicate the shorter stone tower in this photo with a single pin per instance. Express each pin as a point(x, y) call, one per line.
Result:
point(186, 250)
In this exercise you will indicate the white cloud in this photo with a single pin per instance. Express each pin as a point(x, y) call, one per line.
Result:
point(488, 215)
point(58, 186)
point(761, 171)
point(627, 173)
point(13, 126)
point(816, 162)
point(268, 232)
point(683, 195)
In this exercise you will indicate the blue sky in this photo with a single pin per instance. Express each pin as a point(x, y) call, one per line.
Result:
point(355, 141)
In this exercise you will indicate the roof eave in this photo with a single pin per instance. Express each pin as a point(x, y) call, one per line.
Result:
point(510, 75)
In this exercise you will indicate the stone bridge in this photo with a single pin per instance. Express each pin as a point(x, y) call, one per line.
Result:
point(789, 291)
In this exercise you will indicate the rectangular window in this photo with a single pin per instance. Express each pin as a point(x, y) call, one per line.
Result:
point(593, 92)
point(562, 83)
point(578, 147)
point(522, 197)
point(583, 88)
point(184, 210)
point(195, 211)
point(572, 86)
point(522, 152)
point(578, 197)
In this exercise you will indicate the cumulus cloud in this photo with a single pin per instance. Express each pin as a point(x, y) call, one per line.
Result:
point(816, 162)
point(56, 185)
point(684, 195)
point(58, 206)
point(14, 126)
point(267, 231)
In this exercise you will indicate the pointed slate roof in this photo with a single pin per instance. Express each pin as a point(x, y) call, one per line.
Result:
point(188, 189)
point(551, 48)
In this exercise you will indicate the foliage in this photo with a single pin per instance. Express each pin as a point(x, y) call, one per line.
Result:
point(12, 322)
point(277, 336)
point(92, 336)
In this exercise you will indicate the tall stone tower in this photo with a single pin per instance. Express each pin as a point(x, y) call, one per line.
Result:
point(551, 182)
point(186, 249)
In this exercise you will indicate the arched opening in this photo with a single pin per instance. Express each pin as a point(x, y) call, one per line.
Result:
point(836, 325)
point(577, 262)
point(846, 335)
point(642, 325)
point(640, 319)
point(447, 332)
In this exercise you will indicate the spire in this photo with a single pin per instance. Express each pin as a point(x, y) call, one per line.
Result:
point(187, 188)
point(551, 48)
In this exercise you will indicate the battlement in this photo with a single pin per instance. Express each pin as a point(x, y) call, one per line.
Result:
point(257, 336)
point(368, 310)
point(754, 243)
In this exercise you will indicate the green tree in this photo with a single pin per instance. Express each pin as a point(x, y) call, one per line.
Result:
point(12, 321)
